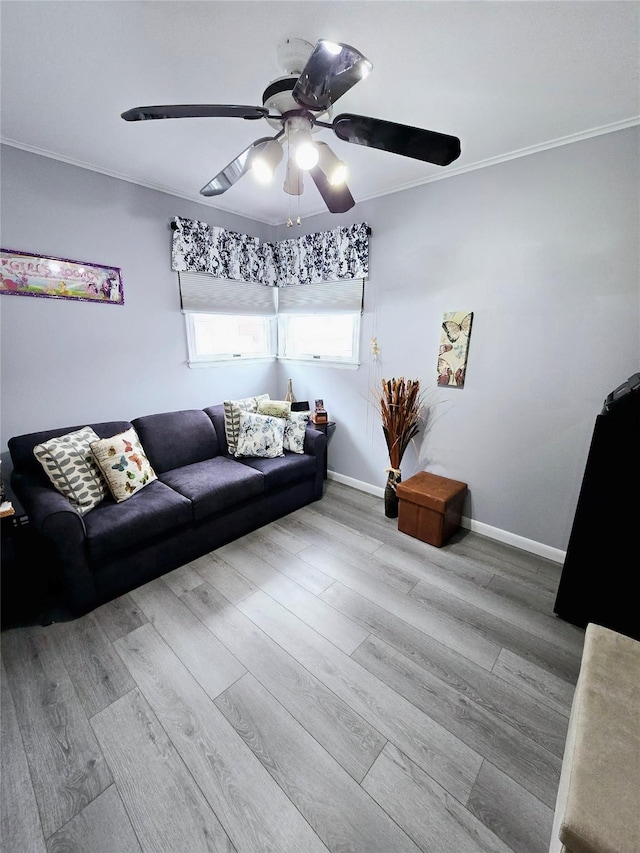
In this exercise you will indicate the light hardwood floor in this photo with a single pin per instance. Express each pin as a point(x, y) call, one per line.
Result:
point(325, 683)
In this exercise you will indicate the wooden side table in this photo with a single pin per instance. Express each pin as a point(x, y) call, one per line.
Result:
point(15, 532)
point(29, 581)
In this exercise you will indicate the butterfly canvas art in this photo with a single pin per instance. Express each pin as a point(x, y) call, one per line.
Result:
point(454, 348)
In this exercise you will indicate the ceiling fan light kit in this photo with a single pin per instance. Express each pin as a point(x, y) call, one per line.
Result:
point(265, 160)
point(334, 169)
point(300, 104)
point(306, 152)
point(293, 180)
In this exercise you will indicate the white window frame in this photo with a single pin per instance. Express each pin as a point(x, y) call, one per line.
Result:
point(286, 353)
point(201, 296)
point(197, 360)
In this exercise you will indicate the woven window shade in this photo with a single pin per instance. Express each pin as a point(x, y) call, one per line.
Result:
point(201, 292)
point(327, 297)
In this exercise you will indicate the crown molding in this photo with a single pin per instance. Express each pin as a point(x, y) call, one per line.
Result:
point(450, 173)
point(513, 155)
point(42, 152)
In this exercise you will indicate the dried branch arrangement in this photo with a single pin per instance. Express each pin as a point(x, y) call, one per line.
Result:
point(400, 407)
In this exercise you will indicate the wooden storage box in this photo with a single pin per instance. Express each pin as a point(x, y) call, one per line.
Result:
point(430, 507)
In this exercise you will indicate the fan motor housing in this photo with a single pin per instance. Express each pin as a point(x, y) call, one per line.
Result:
point(277, 98)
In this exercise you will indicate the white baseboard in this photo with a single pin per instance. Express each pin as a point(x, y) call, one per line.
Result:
point(537, 548)
point(356, 484)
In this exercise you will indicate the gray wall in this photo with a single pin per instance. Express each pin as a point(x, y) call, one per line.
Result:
point(64, 362)
point(543, 249)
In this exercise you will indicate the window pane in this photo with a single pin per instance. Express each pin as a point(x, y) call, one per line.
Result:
point(221, 334)
point(325, 335)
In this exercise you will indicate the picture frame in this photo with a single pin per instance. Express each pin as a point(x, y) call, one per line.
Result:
point(453, 353)
point(25, 274)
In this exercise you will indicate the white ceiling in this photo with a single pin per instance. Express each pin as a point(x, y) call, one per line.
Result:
point(505, 77)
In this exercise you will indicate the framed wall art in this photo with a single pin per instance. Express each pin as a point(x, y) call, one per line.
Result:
point(454, 348)
point(22, 274)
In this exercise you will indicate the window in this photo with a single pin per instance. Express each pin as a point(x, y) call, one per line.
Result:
point(321, 322)
point(320, 337)
point(227, 320)
point(218, 337)
point(235, 321)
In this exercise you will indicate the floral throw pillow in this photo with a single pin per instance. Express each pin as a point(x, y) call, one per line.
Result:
point(72, 469)
point(232, 409)
point(260, 435)
point(123, 463)
point(295, 429)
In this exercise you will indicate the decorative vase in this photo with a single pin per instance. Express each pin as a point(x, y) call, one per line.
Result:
point(390, 493)
point(290, 398)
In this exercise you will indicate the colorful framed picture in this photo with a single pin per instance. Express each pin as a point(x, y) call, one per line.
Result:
point(454, 348)
point(22, 274)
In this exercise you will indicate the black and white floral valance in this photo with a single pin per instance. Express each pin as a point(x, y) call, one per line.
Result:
point(199, 247)
point(338, 254)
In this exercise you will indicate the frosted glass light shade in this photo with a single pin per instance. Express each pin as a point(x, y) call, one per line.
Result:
point(334, 169)
point(265, 161)
point(306, 153)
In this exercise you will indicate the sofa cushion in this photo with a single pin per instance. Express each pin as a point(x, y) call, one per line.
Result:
point(174, 439)
point(260, 435)
point(232, 409)
point(154, 511)
point(215, 484)
point(123, 463)
point(284, 470)
point(70, 465)
point(216, 414)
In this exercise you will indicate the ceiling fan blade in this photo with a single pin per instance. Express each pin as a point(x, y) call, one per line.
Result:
point(337, 198)
point(234, 170)
point(331, 70)
point(428, 145)
point(195, 111)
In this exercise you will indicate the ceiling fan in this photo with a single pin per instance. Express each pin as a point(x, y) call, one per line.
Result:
point(299, 104)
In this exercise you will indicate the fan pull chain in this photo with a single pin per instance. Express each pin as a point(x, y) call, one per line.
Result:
point(290, 219)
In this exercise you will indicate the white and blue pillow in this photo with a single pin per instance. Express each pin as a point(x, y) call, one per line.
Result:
point(259, 435)
point(295, 428)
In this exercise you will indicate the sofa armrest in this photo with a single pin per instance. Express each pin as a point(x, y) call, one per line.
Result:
point(55, 520)
point(315, 443)
point(42, 503)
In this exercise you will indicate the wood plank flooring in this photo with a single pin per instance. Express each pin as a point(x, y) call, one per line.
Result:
point(325, 683)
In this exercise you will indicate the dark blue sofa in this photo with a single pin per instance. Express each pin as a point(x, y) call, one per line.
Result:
point(202, 499)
